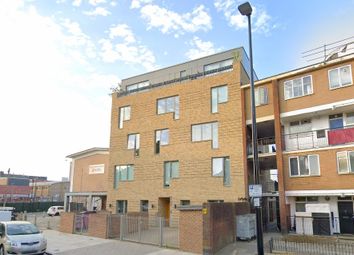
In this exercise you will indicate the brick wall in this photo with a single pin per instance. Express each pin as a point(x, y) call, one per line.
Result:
point(67, 222)
point(191, 231)
point(98, 225)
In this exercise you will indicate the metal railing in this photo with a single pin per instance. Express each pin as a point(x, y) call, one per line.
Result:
point(144, 229)
point(314, 139)
point(264, 145)
point(311, 247)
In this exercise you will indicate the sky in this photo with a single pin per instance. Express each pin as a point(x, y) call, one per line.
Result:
point(59, 60)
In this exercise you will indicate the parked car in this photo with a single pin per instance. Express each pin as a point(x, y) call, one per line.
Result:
point(55, 210)
point(21, 237)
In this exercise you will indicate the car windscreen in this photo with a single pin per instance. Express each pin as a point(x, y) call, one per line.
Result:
point(21, 229)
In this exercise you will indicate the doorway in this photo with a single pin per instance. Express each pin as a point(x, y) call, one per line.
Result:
point(164, 209)
point(346, 223)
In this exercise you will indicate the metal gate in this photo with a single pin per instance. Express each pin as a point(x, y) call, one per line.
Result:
point(81, 223)
point(144, 229)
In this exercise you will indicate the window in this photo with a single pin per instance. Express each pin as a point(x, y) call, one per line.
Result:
point(261, 96)
point(170, 172)
point(300, 128)
point(218, 96)
point(221, 167)
point(304, 165)
point(144, 205)
point(134, 143)
point(122, 206)
point(350, 118)
point(217, 65)
point(206, 132)
point(185, 202)
point(345, 162)
point(169, 104)
point(138, 85)
point(183, 74)
point(161, 138)
point(215, 201)
point(336, 121)
point(298, 87)
point(124, 114)
point(123, 173)
point(300, 203)
point(340, 77)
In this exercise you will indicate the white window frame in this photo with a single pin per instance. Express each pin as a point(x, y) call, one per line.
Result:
point(340, 79)
point(137, 85)
point(350, 168)
point(176, 106)
point(258, 98)
point(308, 163)
point(292, 87)
point(136, 142)
point(217, 99)
point(347, 123)
point(214, 130)
point(122, 115)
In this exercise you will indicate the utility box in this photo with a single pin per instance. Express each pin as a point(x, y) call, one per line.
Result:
point(246, 226)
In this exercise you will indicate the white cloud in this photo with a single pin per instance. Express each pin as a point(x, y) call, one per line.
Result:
point(54, 105)
point(200, 48)
point(98, 11)
point(77, 3)
point(262, 21)
point(96, 2)
point(169, 21)
point(123, 31)
point(127, 49)
point(136, 4)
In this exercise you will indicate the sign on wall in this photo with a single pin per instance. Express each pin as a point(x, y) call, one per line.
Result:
point(96, 169)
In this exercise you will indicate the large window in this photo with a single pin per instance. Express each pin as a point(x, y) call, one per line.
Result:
point(300, 128)
point(221, 168)
point(261, 96)
point(161, 138)
point(218, 96)
point(123, 173)
point(304, 165)
point(124, 115)
point(206, 132)
point(298, 87)
point(340, 77)
point(300, 203)
point(167, 105)
point(349, 118)
point(138, 85)
point(171, 171)
point(345, 162)
point(218, 65)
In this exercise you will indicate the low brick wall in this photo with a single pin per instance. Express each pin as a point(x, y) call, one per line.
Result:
point(191, 230)
point(67, 222)
point(98, 225)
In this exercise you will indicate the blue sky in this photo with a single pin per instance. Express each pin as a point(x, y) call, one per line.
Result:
point(60, 58)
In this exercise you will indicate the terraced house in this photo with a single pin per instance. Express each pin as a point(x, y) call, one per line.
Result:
point(182, 135)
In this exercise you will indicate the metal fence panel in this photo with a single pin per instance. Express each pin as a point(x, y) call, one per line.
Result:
point(81, 223)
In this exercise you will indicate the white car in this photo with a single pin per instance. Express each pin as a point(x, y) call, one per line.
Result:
point(55, 210)
point(21, 237)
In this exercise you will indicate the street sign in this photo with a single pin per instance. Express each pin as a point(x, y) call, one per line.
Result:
point(257, 202)
point(255, 190)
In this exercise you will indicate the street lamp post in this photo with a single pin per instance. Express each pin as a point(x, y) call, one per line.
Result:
point(246, 10)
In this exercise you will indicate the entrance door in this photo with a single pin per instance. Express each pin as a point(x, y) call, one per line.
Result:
point(164, 204)
point(346, 222)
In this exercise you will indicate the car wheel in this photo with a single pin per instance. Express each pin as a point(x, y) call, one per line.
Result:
point(57, 214)
point(2, 251)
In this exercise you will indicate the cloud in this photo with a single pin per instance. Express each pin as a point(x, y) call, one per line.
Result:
point(54, 105)
point(172, 22)
point(77, 3)
point(262, 21)
point(123, 46)
point(136, 4)
point(200, 48)
point(98, 11)
point(96, 2)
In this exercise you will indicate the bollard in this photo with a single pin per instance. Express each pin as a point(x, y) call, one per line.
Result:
point(35, 220)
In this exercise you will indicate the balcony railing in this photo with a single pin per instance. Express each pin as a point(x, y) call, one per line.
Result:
point(318, 138)
point(264, 145)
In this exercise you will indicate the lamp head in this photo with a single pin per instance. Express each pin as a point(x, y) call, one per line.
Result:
point(245, 9)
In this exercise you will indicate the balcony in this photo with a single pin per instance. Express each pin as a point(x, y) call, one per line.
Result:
point(265, 146)
point(318, 138)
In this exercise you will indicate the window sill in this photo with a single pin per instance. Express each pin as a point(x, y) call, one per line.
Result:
point(343, 86)
point(298, 96)
point(304, 176)
point(348, 173)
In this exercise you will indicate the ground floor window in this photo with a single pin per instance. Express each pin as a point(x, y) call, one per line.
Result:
point(144, 205)
point(185, 202)
point(122, 206)
point(300, 203)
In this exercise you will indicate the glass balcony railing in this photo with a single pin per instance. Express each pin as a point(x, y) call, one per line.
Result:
point(318, 138)
point(264, 145)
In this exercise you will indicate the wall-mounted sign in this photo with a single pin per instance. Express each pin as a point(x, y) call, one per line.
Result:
point(255, 190)
point(96, 169)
